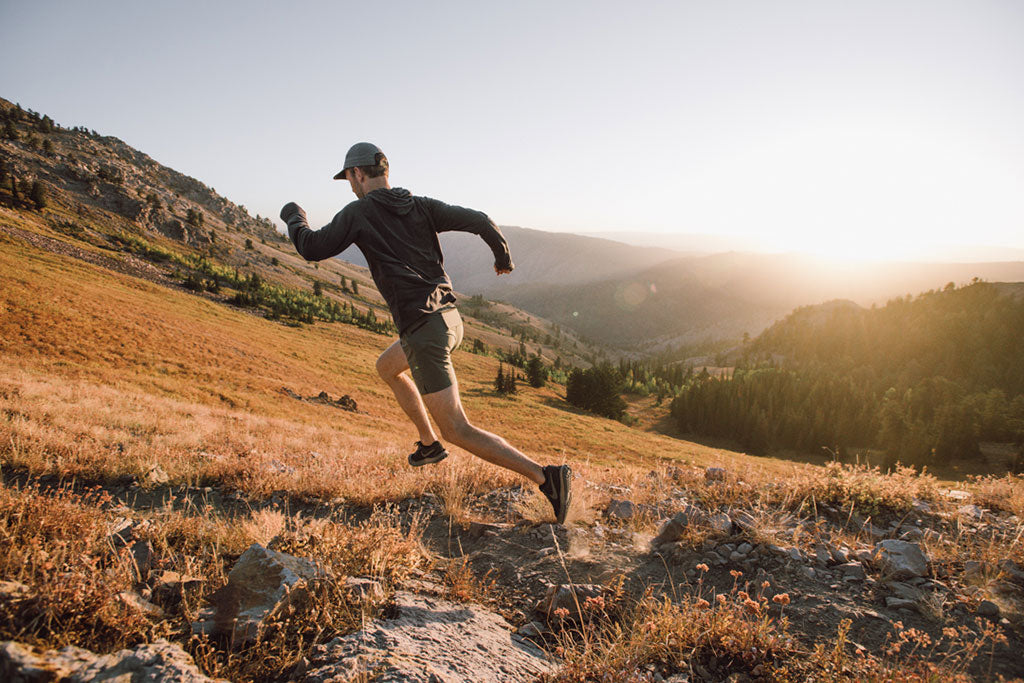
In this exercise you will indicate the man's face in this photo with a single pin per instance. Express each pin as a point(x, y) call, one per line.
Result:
point(355, 180)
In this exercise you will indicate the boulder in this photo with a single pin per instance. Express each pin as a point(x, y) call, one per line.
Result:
point(854, 571)
point(901, 559)
point(429, 641)
point(260, 584)
point(988, 609)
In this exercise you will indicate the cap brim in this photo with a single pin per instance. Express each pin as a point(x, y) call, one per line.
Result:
point(341, 174)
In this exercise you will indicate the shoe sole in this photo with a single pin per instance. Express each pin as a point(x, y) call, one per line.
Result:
point(420, 462)
point(565, 479)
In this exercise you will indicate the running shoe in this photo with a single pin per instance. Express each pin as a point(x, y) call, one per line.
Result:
point(557, 488)
point(426, 455)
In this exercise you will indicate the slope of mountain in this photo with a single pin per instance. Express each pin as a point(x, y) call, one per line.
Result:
point(107, 203)
point(541, 258)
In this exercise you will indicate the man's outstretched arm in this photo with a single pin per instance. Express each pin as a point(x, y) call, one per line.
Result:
point(328, 241)
point(447, 217)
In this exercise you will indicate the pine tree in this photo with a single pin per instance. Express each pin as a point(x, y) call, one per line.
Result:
point(318, 289)
point(536, 373)
point(355, 288)
point(10, 131)
point(510, 382)
point(37, 194)
point(499, 381)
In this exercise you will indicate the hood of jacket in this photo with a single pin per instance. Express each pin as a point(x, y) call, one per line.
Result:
point(397, 200)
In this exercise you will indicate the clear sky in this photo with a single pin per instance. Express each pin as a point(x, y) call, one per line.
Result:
point(866, 128)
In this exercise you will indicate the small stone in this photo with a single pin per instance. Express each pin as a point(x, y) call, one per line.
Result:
point(736, 556)
point(955, 494)
point(988, 609)
point(621, 509)
point(714, 474)
point(142, 554)
point(139, 604)
point(911, 534)
point(745, 548)
point(809, 572)
point(853, 571)
point(364, 589)
point(744, 521)
point(821, 555)
point(971, 511)
point(156, 475)
point(534, 629)
point(795, 554)
point(720, 523)
point(900, 603)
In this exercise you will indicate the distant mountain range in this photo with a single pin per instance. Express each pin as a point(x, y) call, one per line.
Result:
point(650, 298)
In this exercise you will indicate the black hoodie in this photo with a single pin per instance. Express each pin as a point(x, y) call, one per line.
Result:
point(397, 233)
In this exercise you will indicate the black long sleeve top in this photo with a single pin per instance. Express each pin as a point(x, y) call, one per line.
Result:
point(397, 233)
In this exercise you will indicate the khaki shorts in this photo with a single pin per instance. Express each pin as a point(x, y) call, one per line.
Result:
point(428, 348)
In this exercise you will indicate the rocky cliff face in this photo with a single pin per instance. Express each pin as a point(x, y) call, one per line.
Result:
point(101, 177)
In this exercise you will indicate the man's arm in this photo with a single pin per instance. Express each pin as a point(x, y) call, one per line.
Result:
point(447, 217)
point(328, 241)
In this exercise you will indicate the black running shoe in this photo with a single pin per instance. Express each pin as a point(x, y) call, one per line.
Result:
point(557, 488)
point(426, 455)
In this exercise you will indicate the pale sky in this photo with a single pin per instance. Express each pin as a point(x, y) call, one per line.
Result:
point(863, 128)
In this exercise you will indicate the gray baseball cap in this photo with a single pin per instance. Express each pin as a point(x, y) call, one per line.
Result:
point(360, 154)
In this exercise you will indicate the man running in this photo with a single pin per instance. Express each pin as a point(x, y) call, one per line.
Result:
point(397, 233)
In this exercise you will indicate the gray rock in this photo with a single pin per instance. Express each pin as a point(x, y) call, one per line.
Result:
point(13, 591)
point(905, 591)
point(778, 550)
point(139, 604)
point(971, 512)
point(745, 548)
point(170, 587)
point(715, 474)
point(565, 596)
point(156, 475)
point(534, 629)
point(911, 534)
point(621, 509)
point(921, 506)
point(1012, 569)
point(672, 529)
point(260, 584)
point(988, 609)
point(744, 521)
point(142, 556)
point(973, 570)
point(430, 641)
point(955, 494)
point(900, 603)
point(737, 556)
point(822, 556)
point(157, 661)
point(720, 523)
point(901, 559)
point(853, 570)
point(795, 554)
point(21, 664)
point(364, 589)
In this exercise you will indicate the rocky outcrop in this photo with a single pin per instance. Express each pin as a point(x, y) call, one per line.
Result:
point(431, 640)
point(158, 661)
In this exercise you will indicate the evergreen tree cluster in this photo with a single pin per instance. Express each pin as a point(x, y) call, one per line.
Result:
point(597, 389)
point(505, 382)
point(926, 379)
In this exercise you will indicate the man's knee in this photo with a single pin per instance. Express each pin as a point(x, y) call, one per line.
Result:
point(455, 431)
point(384, 368)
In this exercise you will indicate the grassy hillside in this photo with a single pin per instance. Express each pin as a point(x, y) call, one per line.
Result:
point(106, 374)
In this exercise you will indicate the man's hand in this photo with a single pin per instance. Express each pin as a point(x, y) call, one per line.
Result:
point(290, 209)
point(504, 268)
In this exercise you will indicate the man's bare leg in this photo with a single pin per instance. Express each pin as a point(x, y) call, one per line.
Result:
point(393, 368)
point(445, 407)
